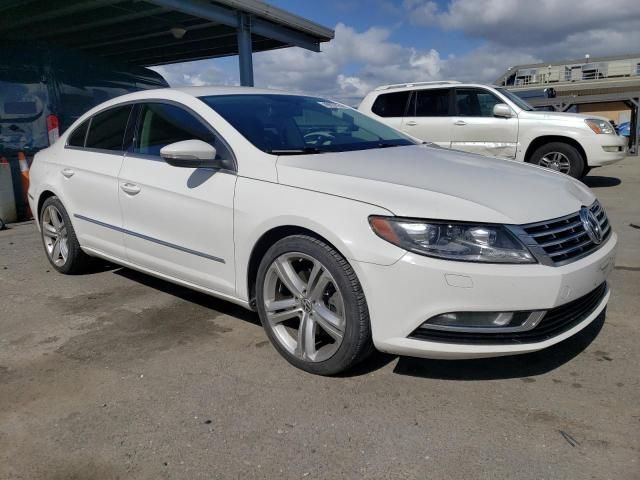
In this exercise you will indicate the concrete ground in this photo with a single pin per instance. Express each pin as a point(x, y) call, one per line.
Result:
point(118, 375)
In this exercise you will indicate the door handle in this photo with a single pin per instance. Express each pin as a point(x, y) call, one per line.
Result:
point(411, 123)
point(67, 172)
point(130, 188)
point(460, 123)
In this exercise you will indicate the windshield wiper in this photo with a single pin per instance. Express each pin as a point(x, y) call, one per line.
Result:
point(296, 151)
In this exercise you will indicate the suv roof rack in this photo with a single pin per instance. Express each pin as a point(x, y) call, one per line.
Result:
point(416, 84)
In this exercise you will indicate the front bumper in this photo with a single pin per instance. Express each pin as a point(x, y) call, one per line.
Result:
point(604, 149)
point(404, 295)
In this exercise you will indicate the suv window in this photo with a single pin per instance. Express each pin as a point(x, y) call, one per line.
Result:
point(106, 130)
point(432, 103)
point(391, 104)
point(475, 102)
point(161, 124)
point(76, 139)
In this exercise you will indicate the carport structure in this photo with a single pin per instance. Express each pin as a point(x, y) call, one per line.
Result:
point(159, 32)
point(584, 84)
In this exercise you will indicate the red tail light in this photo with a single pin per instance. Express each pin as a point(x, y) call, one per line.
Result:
point(53, 128)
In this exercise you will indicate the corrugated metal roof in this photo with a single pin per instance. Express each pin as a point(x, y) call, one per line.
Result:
point(139, 31)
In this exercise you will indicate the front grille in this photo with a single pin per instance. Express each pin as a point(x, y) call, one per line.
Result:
point(556, 321)
point(564, 239)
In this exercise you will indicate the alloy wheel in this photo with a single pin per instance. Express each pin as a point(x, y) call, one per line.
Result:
point(556, 161)
point(304, 307)
point(55, 236)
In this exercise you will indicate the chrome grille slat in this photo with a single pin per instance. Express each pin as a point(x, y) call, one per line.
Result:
point(559, 241)
point(570, 249)
point(553, 231)
point(563, 240)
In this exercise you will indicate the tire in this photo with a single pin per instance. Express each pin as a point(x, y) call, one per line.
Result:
point(331, 309)
point(561, 157)
point(56, 229)
point(2, 225)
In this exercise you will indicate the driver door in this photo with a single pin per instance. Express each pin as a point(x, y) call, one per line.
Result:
point(178, 221)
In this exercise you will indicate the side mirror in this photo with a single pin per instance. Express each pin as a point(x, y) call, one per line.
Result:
point(190, 154)
point(502, 110)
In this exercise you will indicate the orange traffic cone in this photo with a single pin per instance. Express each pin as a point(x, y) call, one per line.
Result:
point(24, 176)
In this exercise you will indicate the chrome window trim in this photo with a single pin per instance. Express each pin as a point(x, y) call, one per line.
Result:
point(150, 239)
point(141, 102)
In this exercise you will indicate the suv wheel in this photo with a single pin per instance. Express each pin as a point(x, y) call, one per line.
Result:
point(59, 239)
point(561, 157)
point(312, 306)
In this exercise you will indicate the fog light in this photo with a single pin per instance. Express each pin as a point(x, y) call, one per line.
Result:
point(612, 149)
point(485, 321)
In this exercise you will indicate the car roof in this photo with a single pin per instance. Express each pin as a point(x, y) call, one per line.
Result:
point(426, 86)
point(195, 92)
point(204, 91)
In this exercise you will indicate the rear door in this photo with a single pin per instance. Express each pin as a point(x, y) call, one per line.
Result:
point(428, 116)
point(475, 129)
point(89, 179)
point(178, 221)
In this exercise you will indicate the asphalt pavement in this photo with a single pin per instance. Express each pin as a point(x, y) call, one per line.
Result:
point(116, 374)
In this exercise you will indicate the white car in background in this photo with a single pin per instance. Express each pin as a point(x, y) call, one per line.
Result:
point(493, 121)
point(343, 233)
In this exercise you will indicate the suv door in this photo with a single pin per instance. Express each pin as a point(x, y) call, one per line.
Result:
point(89, 179)
point(178, 221)
point(427, 117)
point(392, 107)
point(476, 130)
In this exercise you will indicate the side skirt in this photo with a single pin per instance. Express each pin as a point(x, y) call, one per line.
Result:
point(177, 281)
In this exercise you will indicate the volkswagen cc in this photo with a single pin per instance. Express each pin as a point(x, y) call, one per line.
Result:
point(344, 234)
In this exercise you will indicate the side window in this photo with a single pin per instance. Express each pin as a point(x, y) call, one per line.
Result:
point(161, 124)
point(432, 103)
point(391, 104)
point(76, 139)
point(474, 102)
point(107, 128)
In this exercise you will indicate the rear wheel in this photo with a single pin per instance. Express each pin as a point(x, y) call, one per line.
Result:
point(59, 239)
point(561, 157)
point(312, 306)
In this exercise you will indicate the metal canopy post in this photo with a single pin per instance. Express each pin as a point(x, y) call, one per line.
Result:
point(634, 130)
point(245, 50)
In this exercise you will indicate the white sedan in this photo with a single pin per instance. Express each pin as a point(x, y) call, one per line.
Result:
point(343, 233)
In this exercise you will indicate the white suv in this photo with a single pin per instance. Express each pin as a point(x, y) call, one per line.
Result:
point(492, 121)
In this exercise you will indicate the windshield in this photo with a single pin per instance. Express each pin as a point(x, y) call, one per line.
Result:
point(293, 125)
point(515, 99)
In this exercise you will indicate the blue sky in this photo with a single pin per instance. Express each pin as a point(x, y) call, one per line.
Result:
point(390, 41)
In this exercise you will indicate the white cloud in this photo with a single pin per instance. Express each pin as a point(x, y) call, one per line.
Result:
point(551, 28)
point(202, 72)
point(510, 32)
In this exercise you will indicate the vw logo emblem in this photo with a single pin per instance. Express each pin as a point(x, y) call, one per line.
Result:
point(591, 225)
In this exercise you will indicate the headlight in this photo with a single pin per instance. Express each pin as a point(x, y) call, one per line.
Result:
point(452, 240)
point(599, 126)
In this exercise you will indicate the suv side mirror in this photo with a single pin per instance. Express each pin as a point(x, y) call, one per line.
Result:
point(190, 154)
point(502, 110)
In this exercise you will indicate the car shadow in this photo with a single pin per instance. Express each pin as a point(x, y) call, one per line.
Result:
point(601, 182)
point(500, 368)
point(193, 296)
point(514, 366)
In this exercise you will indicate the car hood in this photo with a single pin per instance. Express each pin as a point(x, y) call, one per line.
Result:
point(559, 116)
point(430, 182)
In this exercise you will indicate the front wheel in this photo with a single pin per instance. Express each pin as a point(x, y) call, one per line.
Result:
point(561, 157)
point(312, 306)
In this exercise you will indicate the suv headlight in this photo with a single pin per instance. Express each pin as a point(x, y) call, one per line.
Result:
point(599, 126)
point(469, 242)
